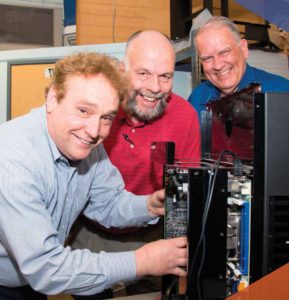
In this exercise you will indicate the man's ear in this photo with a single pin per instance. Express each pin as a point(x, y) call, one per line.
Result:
point(244, 47)
point(51, 99)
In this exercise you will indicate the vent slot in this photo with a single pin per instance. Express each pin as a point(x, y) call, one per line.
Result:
point(278, 232)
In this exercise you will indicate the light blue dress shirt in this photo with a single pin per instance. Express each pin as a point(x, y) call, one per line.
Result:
point(41, 195)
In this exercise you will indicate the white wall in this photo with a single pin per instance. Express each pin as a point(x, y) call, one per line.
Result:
point(276, 63)
point(35, 3)
point(43, 54)
point(182, 80)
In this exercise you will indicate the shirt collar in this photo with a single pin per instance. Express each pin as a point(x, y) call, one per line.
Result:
point(122, 118)
point(247, 78)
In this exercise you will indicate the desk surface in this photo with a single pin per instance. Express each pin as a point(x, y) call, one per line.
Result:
point(150, 296)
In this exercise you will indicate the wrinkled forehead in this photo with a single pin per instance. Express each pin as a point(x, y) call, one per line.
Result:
point(214, 32)
point(152, 58)
point(214, 36)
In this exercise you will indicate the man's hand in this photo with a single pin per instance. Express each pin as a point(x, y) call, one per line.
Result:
point(162, 257)
point(155, 203)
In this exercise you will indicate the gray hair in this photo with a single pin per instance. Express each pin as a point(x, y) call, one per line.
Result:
point(219, 21)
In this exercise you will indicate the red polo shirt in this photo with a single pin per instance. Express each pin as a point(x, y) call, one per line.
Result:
point(129, 145)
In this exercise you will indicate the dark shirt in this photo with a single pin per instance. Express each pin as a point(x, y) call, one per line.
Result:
point(240, 141)
point(206, 91)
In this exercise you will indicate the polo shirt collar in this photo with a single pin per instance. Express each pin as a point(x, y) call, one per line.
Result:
point(121, 117)
point(248, 77)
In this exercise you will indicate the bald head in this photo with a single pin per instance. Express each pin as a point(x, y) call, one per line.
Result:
point(151, 41)
point(150, 62)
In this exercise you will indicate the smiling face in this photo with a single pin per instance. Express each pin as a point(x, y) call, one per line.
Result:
point(82, 119)
point(149, 62)
point(223, 58)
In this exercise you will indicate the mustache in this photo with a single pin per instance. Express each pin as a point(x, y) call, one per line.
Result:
point(157, 96)
point(147, 114)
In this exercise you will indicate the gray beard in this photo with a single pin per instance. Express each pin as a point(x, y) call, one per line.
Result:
point(150, 113)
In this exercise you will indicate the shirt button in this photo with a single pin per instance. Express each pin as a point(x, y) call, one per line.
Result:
point(133, 130)
point(131, 145)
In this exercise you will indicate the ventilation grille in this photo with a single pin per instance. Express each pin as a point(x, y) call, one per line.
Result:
point(278, 232)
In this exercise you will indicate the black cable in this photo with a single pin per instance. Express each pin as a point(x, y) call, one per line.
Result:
point(203, 228)
point(211, 185)
point(201, 266)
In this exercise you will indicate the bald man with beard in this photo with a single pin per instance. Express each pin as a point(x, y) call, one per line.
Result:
point(151, 113)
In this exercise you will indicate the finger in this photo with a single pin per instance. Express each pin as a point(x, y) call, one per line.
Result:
point(184, 252)
point(180, 242)
point(161, 211)
point(161, 195)
point(180, 272)
point(182, 262)
point(158, 204)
